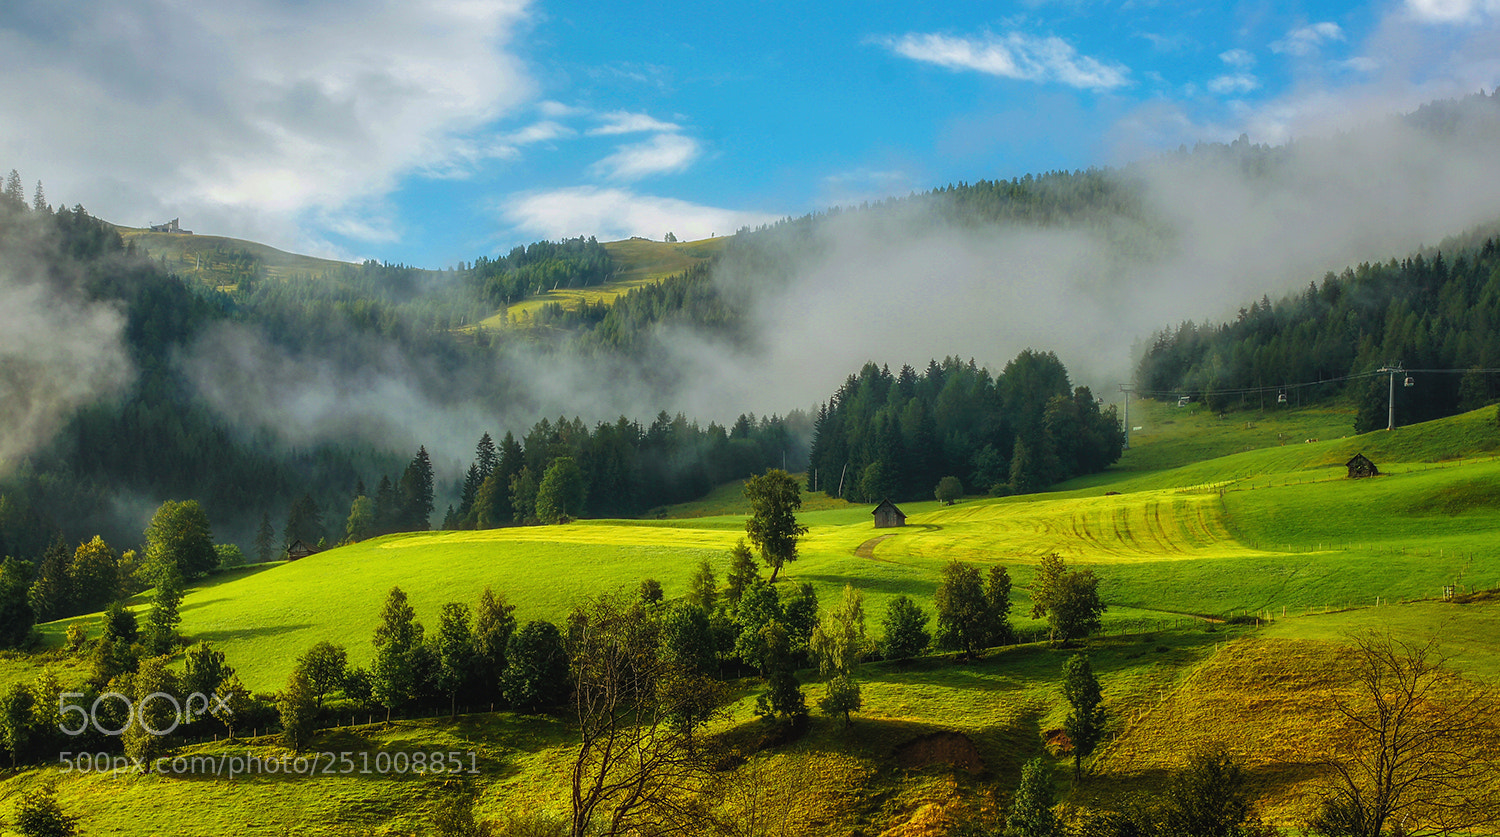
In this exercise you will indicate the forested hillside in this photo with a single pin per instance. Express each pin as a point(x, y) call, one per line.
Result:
point(1433, 313)
point(250, 388)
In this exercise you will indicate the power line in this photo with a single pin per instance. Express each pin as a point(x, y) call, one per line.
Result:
point(1257, 390)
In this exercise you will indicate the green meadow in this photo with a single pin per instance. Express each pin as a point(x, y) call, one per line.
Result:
point(1267, 527)
point(639, 262)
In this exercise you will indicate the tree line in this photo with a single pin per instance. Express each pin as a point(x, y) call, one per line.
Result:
point(1432, 310)
point(897, 436)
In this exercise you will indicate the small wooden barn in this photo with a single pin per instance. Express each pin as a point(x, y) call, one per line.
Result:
point(887, 516)
point(1360, 467)
point(297, 549)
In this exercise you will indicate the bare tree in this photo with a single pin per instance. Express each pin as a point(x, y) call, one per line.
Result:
point(1422, 759)
point(637, 768)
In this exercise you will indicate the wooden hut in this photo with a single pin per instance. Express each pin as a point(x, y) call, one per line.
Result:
point(297, 549)
point(1360, 467)
point(888, 516)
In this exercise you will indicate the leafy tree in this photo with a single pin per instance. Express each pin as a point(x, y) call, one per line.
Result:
point(163, 619)
point(687, 639)
point(703, 588)
point(650, 592)
point(325, 666)
point(16, 615)
point(799, 615)
point(1085, 721)
point(1210, 798)
point(455, 653)
point(1069, 599)
point(968, 621)
point(841, 697)
point(949, 490)
point(838, 641)
point(298, 707)
point(1031, 810)
point(230, 556)
point(905, 629)
point(772, 525)
point(143, 739)
point(234, 701)
point(362, 520)
point(742, 572)
point(494, 624)
point(536, 670)
point(997, 593)
point(783, 697)
point(395, 673)
point(204, 672)
point(179, 534)
point(77, 636)
point(759, 606)
point(119, 622)
point(560, 496)
point(16, 728)
point(38, 814)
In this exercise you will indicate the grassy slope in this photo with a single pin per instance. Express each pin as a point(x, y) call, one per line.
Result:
point(1287, 530)
point(202, 255)
point(640, 262)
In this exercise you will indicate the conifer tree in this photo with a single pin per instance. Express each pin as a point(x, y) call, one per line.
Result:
point(417, 493)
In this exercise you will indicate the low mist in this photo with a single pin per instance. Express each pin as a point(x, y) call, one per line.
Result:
point(58, 353)
point(1217, 230)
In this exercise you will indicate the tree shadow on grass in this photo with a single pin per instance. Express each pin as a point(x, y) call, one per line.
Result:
point(259, 632)
point(1117, 790)
point(349, 753)
point(917, 588)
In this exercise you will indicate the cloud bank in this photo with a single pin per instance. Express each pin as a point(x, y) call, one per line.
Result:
point(58, 353)
point(251, 116)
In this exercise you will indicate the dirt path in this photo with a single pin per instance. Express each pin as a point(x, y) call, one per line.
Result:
point(867, 549)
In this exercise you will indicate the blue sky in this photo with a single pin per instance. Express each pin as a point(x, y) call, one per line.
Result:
point(433, 133)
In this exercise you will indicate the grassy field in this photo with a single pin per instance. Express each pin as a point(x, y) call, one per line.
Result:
point(640, 262)
point(1268, 528)
point(208, 257)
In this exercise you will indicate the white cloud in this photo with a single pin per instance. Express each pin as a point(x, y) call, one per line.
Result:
point(1231, 84)
point(1239, 59)
point(662, 154)
point(1014, 55)
point(1359, 64)
point(1452, 11)
point(254, 116)
point(1308, 39)
point(539, 132)
point(620, 213)
point(624, 122)
point(557, 110)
